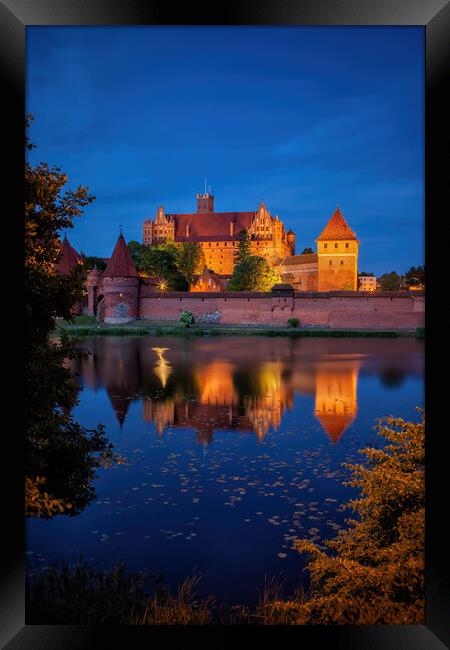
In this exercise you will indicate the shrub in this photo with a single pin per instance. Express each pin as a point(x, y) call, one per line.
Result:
point(293, 322)
point(84, 319)
point(375, 573)
point(187, 318)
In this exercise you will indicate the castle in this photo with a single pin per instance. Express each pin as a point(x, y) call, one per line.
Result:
point(218, 232)
point(334, 267)
point(119, 293)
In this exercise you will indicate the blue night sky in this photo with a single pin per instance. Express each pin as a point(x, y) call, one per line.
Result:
point(304, 118)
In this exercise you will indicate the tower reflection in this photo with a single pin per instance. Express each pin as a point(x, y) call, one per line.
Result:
point(336, 403)
point(238, 385)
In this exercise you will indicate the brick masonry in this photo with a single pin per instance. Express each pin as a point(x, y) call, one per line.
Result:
point(345, 309)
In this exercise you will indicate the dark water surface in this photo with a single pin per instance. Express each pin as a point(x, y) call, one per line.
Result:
point(234, 446)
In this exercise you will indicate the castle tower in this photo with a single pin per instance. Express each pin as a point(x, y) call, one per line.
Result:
point(337, 256)
point(290, 238)
point(120, 284)
point(205, 203)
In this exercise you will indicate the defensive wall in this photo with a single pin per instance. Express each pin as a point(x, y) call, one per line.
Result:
point(334, 309)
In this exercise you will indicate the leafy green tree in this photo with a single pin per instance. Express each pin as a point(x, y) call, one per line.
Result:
point(244, 247)
point(136, 251)
point(61, 456)
point(253, 274)
point(158, 261)
point(391, 282)
point(375, 572)
point(190, 261)
point(307, 251)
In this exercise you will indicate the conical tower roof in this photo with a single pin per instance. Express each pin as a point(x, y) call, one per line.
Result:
point(335, 425)
point(337, 228)
point(69, 257)
point(120, 265)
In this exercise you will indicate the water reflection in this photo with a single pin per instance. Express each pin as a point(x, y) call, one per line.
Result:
point(245, 386)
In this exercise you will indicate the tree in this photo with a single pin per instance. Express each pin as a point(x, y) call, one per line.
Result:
point(253, 274)
point(243, 249)
point(92, 261)
point(61, 456)
point(162, 264)
point(158, 261)
point(391, 282)
point(375, 574)
point(136, 251)
point(415, 277)
point(307, 251)
point(190, 261)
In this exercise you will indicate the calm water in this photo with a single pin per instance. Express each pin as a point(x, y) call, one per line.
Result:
point(233, 447)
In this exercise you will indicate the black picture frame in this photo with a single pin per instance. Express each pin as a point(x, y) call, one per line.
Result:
point(434, 16)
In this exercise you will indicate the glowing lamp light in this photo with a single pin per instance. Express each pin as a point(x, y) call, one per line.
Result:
point(162, 285)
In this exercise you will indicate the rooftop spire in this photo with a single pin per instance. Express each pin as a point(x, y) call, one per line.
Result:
point(69, 257)
point(337, 228)
point(120, 265)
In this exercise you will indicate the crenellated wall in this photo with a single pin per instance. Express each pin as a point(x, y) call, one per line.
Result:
point(345, 309)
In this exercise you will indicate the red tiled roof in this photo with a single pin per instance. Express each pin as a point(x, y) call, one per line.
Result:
point(120, 264)
point(337, 228)
point(69, 258)
point(211, 225)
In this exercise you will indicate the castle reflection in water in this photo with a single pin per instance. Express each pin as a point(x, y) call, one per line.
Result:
point(240, 383)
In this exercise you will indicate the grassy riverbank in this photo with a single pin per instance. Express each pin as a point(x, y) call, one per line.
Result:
point(171, 328)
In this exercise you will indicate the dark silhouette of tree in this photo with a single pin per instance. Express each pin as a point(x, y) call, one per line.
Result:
point(93, 261)
point(415, 276)
point(61, 456)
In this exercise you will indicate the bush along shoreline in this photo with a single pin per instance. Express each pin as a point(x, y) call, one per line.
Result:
point(373, 574)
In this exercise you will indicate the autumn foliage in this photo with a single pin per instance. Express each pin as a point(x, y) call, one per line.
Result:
point(374, 572)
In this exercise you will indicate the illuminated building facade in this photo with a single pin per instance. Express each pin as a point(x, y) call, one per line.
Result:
point(218, 232)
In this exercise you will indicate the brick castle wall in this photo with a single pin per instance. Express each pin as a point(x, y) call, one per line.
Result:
point(349, 309)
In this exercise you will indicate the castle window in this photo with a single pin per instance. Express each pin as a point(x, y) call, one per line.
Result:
point(346, 244)
point(209, 243)
point(342, 263)
point(335, 245)
point(325, 245)
point(331, 263)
